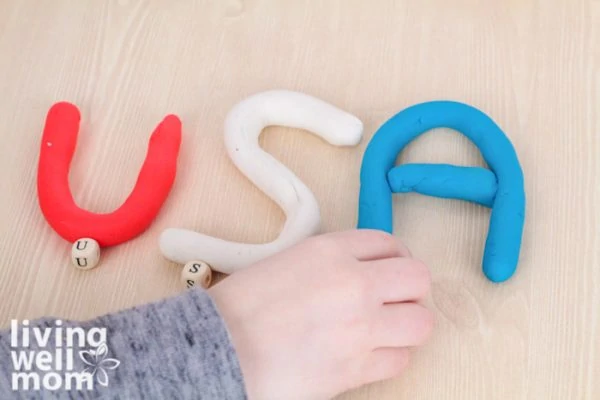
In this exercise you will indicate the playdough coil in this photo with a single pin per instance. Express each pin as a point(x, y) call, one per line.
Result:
point(243, 126)
point(502, 188)
point(135, 214)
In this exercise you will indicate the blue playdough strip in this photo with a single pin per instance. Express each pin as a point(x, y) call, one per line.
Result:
point(474, 184)
point(501, 254)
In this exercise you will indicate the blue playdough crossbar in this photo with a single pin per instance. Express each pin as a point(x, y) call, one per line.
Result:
point(501, 187)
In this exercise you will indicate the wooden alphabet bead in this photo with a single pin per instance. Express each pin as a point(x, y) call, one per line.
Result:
point(196, 273)
point(85, 253)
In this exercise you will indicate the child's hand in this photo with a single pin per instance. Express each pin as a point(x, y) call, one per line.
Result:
point(332, 313)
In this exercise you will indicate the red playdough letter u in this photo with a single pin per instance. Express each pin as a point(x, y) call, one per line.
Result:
point(153, 185)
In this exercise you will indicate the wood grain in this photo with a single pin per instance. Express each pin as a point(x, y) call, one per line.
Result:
point(533, 66)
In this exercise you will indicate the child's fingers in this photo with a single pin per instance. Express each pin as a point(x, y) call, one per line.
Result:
point(398, 279)
point(369, 244)
point(401, 325)
point(384, 363)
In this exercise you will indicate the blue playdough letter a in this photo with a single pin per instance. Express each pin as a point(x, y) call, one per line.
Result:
point(501, 187)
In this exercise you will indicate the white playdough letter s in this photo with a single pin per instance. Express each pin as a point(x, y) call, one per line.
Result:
point(243, 126)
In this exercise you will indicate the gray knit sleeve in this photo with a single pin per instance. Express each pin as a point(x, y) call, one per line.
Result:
point(178, 348)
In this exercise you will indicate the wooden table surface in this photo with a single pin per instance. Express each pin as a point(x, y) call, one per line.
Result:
point(533, 66)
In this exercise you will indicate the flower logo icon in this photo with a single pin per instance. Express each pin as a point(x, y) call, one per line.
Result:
point(97, 363)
